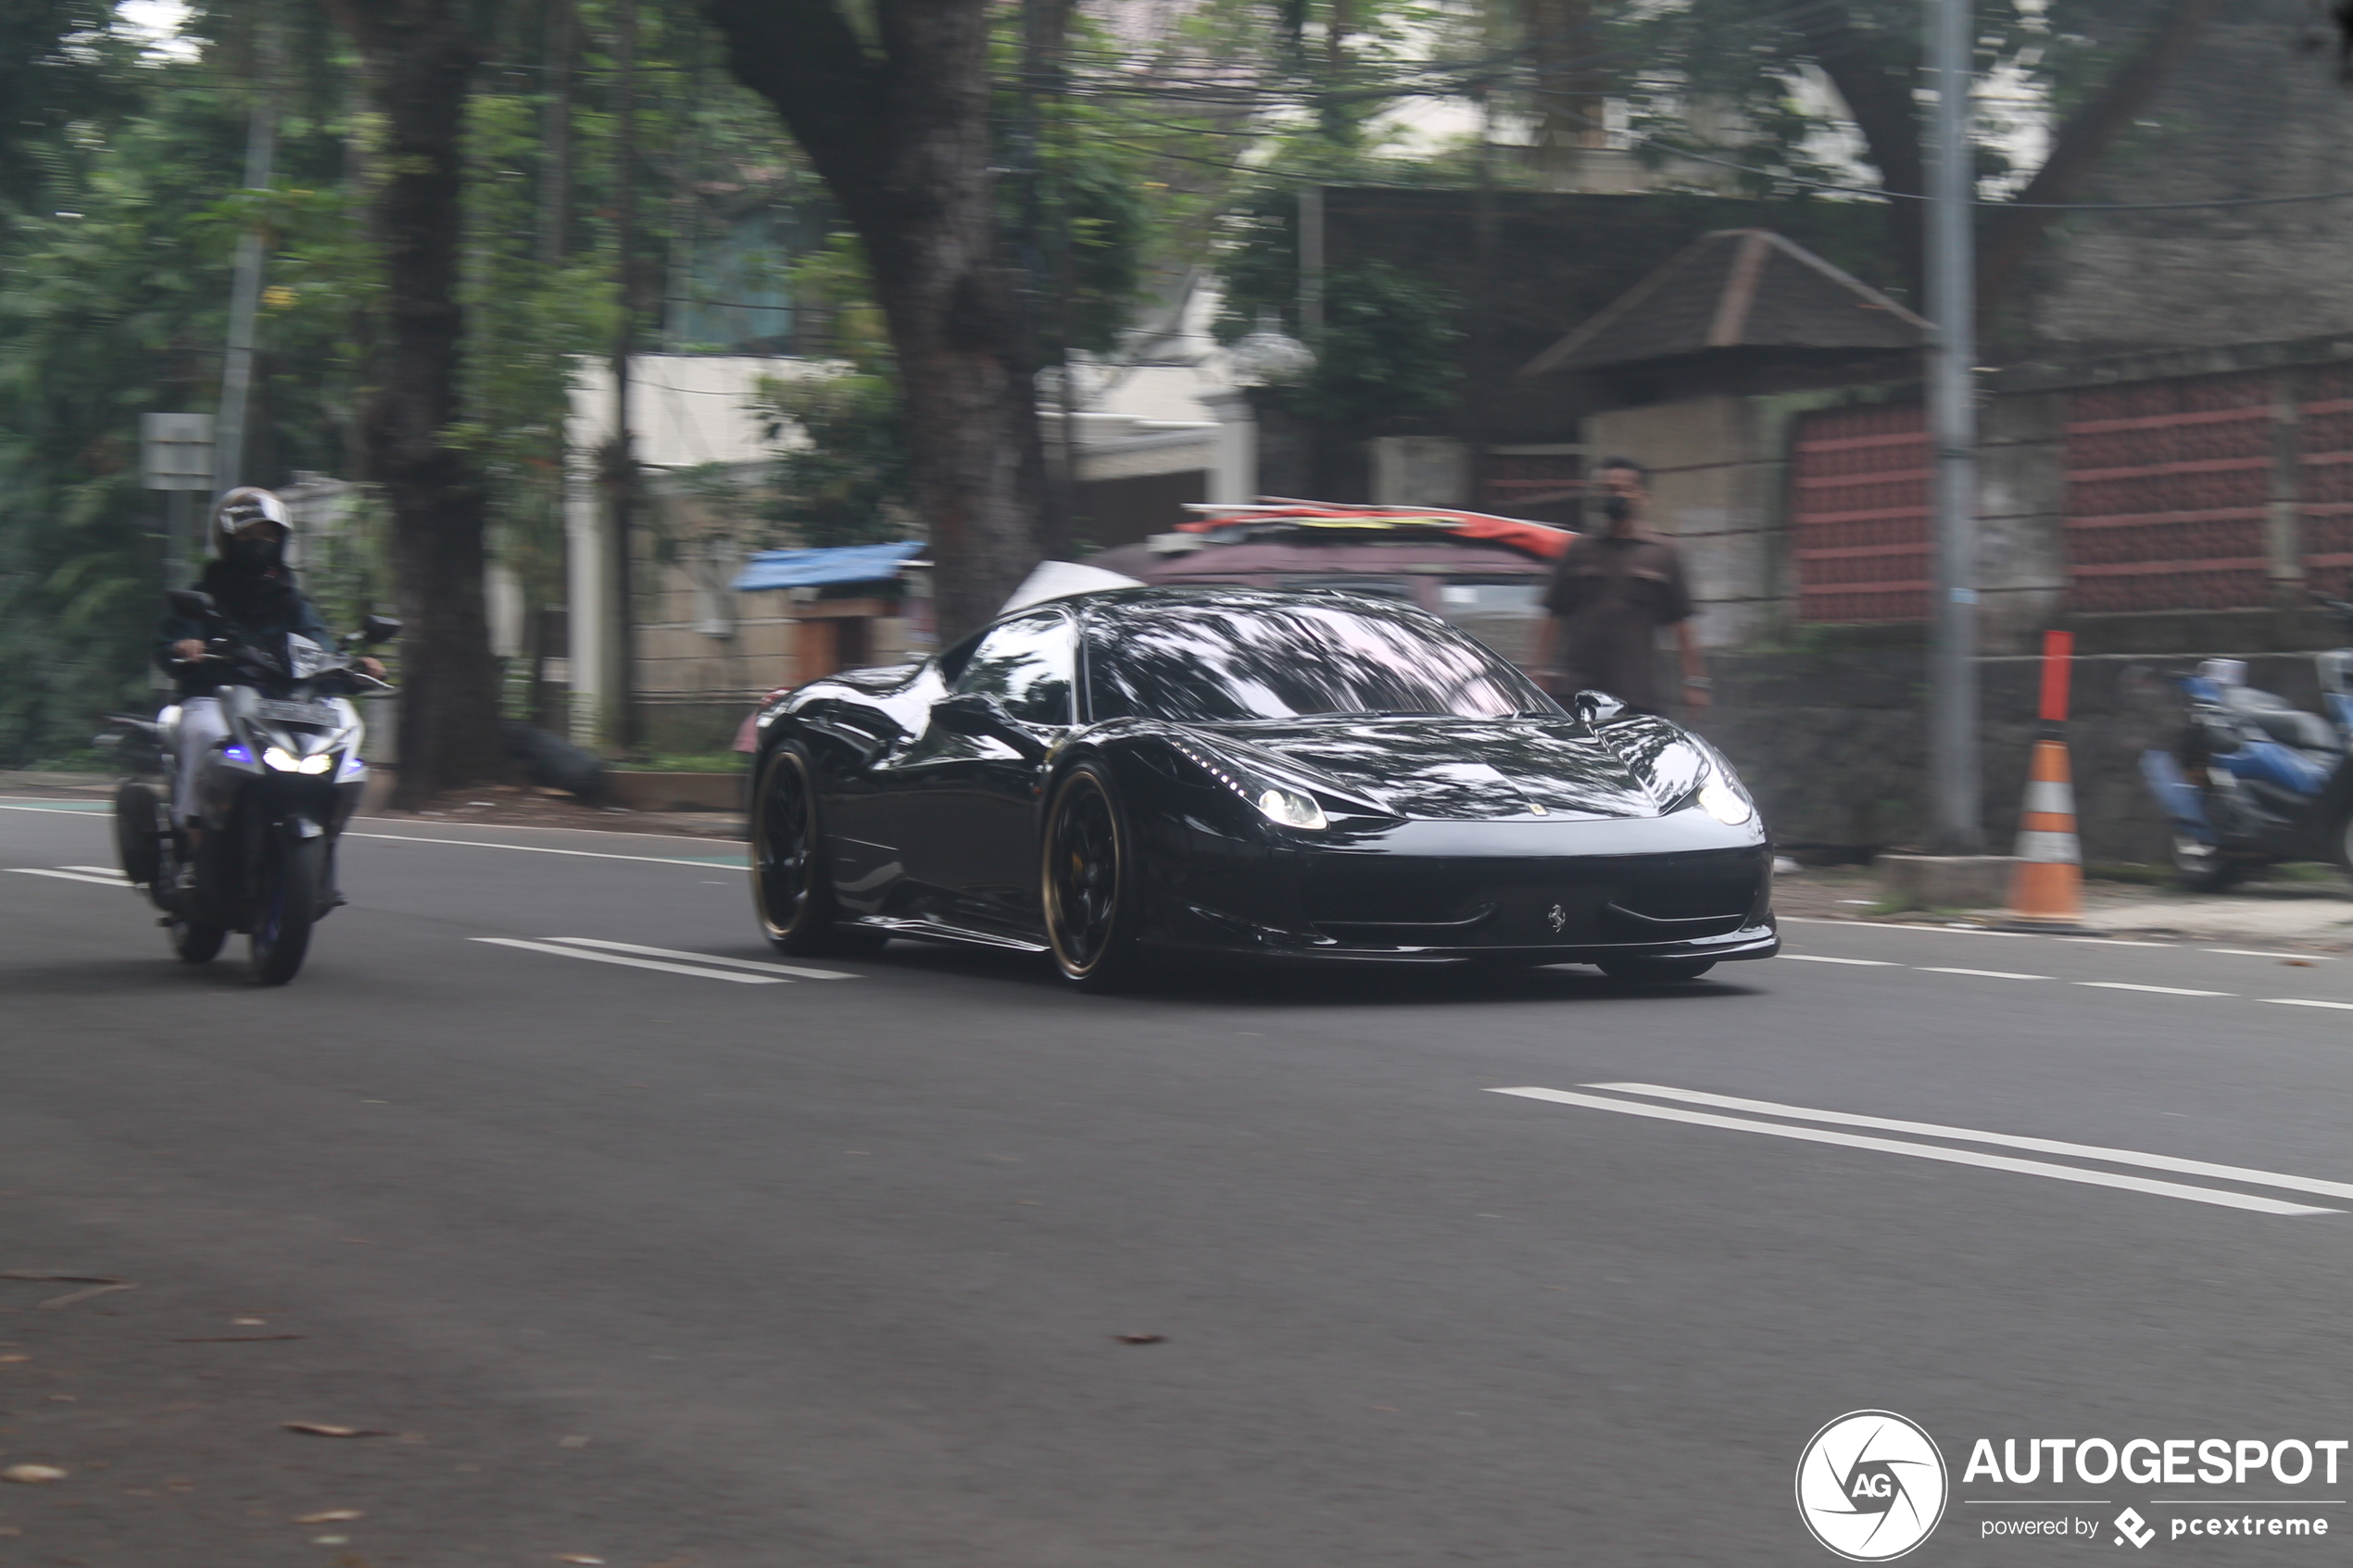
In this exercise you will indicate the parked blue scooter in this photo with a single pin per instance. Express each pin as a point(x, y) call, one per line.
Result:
point(2251, 780)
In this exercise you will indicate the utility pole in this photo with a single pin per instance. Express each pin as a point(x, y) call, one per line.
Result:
point(1952, 431)
point(245, 289)
point(621, 461)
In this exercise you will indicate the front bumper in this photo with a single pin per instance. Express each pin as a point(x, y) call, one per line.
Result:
point(1502, 891)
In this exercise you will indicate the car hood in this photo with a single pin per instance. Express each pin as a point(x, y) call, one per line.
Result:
point(1467, 770)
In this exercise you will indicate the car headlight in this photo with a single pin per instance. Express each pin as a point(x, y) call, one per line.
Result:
point(1292, 808)
point(1720, 801)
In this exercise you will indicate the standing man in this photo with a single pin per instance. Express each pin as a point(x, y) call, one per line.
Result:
point(1612, 592)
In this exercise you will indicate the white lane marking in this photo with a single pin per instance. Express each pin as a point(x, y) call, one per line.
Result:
point(539, 850)
point(109, 872)
point(2259, 953)
point(70, 876)
point(635, 963)
point(63, 810)
point(2305, 1002)
point(1903, 926)
point(760, 964)
point(2115, 942)
point(1932, 1151)
point(2160, 990)
point(1825, 958)
point(1980, 974)
point(2004, 1141)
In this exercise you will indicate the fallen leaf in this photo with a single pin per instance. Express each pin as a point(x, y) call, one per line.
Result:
point(65, 1399)
point(575, 1557)
point(331, 1516)
point(1140, 1339)
point(331, 1540)
point(572, 1442)
point(32, 1474)
point(10, 1530)
point(247, 1322)
point(15, 1357)
point(315, 1429)
point(2297, 963)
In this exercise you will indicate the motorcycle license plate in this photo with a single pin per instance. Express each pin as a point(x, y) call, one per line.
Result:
point(297, 712)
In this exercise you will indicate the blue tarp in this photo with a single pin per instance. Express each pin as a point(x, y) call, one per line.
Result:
point(810, 568)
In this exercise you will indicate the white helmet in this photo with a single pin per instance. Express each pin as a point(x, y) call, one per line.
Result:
point(249, 520)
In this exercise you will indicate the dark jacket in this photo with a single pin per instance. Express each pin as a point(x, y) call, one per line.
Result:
point(257, 604)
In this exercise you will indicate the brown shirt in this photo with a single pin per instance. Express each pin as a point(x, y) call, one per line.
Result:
point(1614, 594)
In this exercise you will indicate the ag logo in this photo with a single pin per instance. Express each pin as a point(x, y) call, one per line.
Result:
point(1871, 1486)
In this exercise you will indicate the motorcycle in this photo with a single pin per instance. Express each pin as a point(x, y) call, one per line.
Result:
point(2251, 781)
point(274, 795)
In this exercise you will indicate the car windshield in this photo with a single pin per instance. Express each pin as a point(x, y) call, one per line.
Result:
point(1230, 664)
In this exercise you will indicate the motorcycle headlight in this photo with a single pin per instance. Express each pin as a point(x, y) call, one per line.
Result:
point(1720, 799)
point(1292, 808)
point(285, 762)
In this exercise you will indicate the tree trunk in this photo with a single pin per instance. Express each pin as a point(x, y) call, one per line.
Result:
point(2008, 234)
point(420, 59)
point(1875, 74)
point(1562, 46)
point(901, 135)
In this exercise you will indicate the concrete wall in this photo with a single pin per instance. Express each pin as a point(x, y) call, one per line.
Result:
point(2247, 114)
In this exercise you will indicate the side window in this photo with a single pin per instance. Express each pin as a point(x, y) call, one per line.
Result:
point(1026, 664)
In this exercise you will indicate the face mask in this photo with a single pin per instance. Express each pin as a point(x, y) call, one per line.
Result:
point(255, 555)
point(1617, 508)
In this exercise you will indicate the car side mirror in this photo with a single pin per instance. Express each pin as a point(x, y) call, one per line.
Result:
point(193, 604)
point(984, 718)
point(378, 629)
point(1594, 707)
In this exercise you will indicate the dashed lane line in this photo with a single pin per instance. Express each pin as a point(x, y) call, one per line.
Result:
point(2006, 1140)
point(704, 864)
point(70, 876)
point(1932, 1151)
point(1980, 974)
point(760, 965)
point(2305, 1002)
point(2156, 990)
point(700, 974)
point(1860, 964)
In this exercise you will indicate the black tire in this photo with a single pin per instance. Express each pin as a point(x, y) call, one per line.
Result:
point(1087, 882)
point(291, 878)
point(789, 892)
point(1656, 972)
point(138, 833)
point(2202, 868)
point(195, 942)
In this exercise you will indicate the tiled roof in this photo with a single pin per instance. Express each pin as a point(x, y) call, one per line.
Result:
point(1736, 288)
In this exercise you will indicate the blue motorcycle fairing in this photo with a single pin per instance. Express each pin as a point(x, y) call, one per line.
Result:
point(2275, 763)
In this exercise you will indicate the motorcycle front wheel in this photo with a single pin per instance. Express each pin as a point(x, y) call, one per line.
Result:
point(195, 942)
point(2201, 867)
point(291, 877)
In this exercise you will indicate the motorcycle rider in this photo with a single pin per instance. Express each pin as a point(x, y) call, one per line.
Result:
point(254, 590)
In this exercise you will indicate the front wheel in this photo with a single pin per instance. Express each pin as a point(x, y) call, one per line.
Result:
point(1656, 972)
point(2203, 868)
point(195, 942)
point(1089, 883)
point(789, 891)
point(291, 878)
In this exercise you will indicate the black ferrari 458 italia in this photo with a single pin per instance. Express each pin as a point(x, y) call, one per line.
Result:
point(1299, 774)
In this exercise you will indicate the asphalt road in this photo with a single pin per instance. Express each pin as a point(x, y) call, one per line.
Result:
point(648, 1265)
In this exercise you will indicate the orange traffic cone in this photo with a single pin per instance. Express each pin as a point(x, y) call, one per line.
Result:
point(2046, 885)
